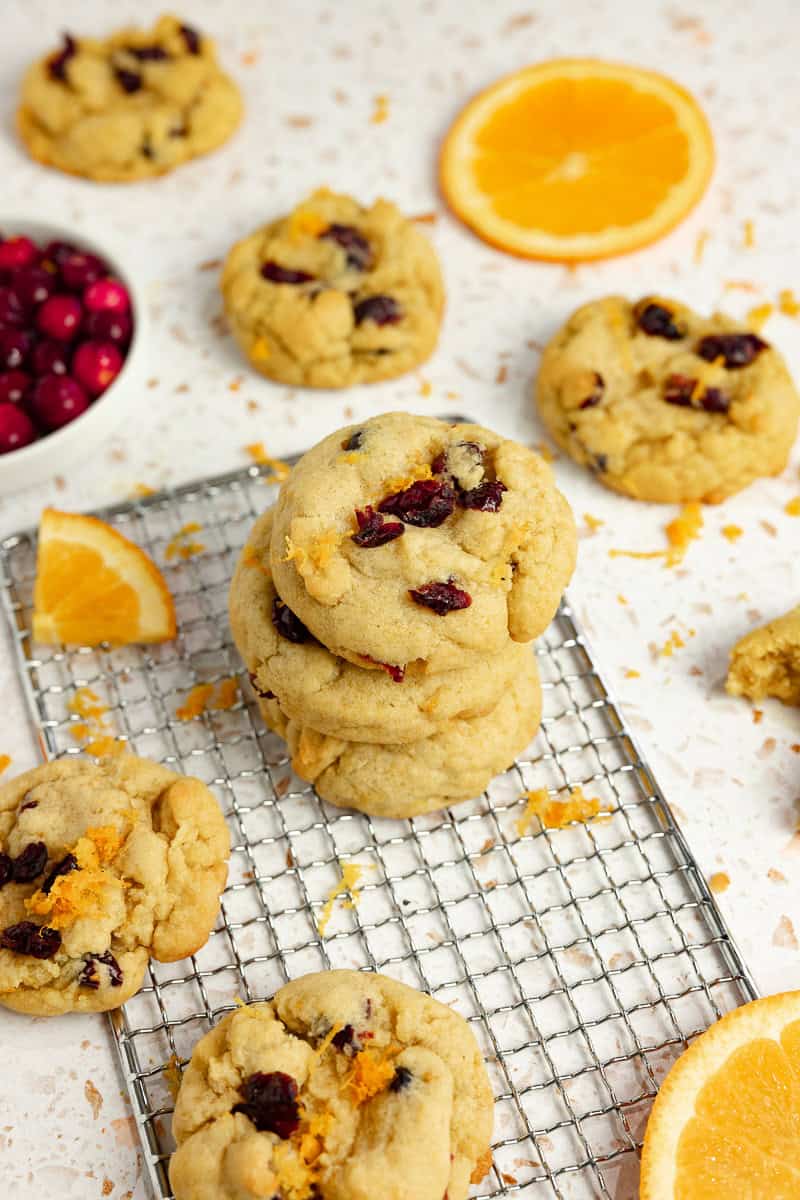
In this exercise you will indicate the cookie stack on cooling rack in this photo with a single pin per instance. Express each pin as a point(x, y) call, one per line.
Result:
point(385, 606)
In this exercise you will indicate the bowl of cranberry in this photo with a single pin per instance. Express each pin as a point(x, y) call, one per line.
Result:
point(71, 348)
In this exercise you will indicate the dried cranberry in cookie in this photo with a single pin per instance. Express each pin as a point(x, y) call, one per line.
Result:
point(735, 349)
point(657, 318)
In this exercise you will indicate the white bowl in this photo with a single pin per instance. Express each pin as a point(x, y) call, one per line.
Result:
point(50, 455)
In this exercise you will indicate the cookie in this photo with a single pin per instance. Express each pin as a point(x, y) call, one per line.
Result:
point(766, 661)
point(346, 1086)
point(330, 694)
point(129, 106)
point(101, 867)
point(407, 540)
point(456, 764)
point(665, 405)
point(334, 294)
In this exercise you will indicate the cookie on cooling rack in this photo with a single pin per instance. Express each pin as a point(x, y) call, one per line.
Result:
point(766, 661)
point(101, 867)
point(665, 405)
point(344, 1081)
point(332, 695)
point(129, 106)
point(407, 540)
point(455, 764)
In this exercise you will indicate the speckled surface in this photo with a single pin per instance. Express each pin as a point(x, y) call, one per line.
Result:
point(311, 73)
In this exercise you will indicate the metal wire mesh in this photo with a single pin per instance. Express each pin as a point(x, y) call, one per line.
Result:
point(585, 958)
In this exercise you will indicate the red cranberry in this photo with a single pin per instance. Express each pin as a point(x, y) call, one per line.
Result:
point(373, 530)
point(14, 386)
point(89, 977)
point(345, 1037)
point(27, 938)
point(60, 317)
point(79, 269)
point(12, 314)
point(106, 295)
point(57, 400)
point(15, 346)
point(57, 63)
point(16, 428)
point(355, 245)
point(426, 503)
point(287, 624)
point(657, 321)
point(96, 365)
point(737, 349)
point(278, 274)
point(54, 253)
point(17, 252)
point(486, 497)
point(50, 358)
point(270, 1101)
point(33, 286)
point(67, 864)
point(383, 310)
point(395, 673)
point(442, 598)
point(129, 81)
point(108, 326)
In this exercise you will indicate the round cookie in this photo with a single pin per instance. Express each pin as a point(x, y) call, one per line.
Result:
point(346, 1086)
point(766, 661)
point(334, 294)
point(665, 405)
point(332, 695)
point(456, 764)
point(129, 106)
point(482, 543)
point(101, 867)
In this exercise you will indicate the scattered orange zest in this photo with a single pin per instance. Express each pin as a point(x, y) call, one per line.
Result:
point(749, 234)
point(792, 507)
point(94, 585)
point(556, 814)
point(720, 881)
point(182, 546)
point(700, 245)
point(372, 1072)
point(681, 531)
point(632, 674)
point(758, 316)
point(425, 387)
point(380, 112)
point(280, 469)
point(594, 523)
point(577, 159)
point(205, 696)
point(732, 532)
point(788, 303)
point(140, 490)
point(351, 874)
point(93, 733)
point(5, 762)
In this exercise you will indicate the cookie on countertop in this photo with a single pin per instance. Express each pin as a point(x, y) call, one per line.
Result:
point(346, 1086)
point(332, 695)
point(334, 294)
point(101, 867)
point(666, 405)
point(407, 540)
point(766, 661)
point(129, 106)
point(455, 764)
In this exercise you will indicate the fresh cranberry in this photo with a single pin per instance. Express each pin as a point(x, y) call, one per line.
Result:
point(737, 349)
point(373, 530)
point(106, 295)
point(486, 497)
point(90, 979)
point(79, 269)
point(14, 387)
point(57, 400)
point(383, 310)
point(108, 327)
point(33, 286)
point(17, 252)
point(270, 1102)
point(96, 365)
point(54, 253)
point(287, 624)
point(60, 317)
point(442, 598)
point(657, 321)
point(16, 428)
point(596, 394)
point(129, 81)
point(68, 863)
point(355, 245)
point(30, 862)
point(354, 441)
point(15, 346)
point(12, 313)
point(426, 503)
point(401, 1079)
point(50, 358)
point(278, 274)
point(6, 868)
point(192, 39)
point(57, 63)
point(27, 938)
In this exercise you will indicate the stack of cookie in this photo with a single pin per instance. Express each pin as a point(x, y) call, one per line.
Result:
point(384, 608)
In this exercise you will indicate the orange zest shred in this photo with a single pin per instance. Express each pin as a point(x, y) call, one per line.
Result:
point(205, 696)
point(719, 882)
point(425, 387)
point(280, 469)
point(251, 559)
point(93, 733)
point(700, 245)
point(318, 553)
point(749, 234)
point(788, 303)
point(758, 316)
point(674, 642)
point(632, 674)
point(594, 523)
point(556, 814)
point(81, 892)
point(172, 1075)
point(732, 532)
point(792, 507)
point(351, 874)
point(182, 545)
point(140, 490)
point(401, 482)
point(372, 1072)
point(380, 112)
point(680, 533)
point(5, 762)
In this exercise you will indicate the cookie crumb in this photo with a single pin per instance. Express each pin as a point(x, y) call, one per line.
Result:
point(632, 674)
point(502, 374)
point(94, 1098)
point(108, 1187)
point(758, 716)
point(785, 936)
point(556, 814)
point(776, 876)
point(259, 455)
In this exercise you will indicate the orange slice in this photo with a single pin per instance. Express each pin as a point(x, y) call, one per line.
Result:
point(93, 585)
point(576, 159)
point(726, 1123)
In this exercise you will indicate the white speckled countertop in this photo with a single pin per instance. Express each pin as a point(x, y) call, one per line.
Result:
point(310, 71)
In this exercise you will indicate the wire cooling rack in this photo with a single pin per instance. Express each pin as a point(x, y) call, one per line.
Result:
point(585, 958)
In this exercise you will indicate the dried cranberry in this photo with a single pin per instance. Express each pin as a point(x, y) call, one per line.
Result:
point(401, 1079)
point(270, 1102)
point(657, 321)
point(89, 977)
point(394, 672)
point(192, 39)
point(439, 463)
point(30, 863)
point(486, 497)
point(599, 463)
point(287, 624)
point(355, 245)
point(373, 530)
point(383, 310)
point(6, 869)
point(354, 441)
point(29, 804)
point(277, 274)
point(258, 691)
point(345, 1037)
point(442, 598)
point(57, 63)
point(147, 53)
point(678, 390)
point(596, 394)
point(714, 400)
point(68, 863)
point(426, 503)
point(129, 81)
point(28, 938)
point(737, 349)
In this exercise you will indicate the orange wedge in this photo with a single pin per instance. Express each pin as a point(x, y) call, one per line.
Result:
point(577, 159)
point(726, 1123)
point(93, 585)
